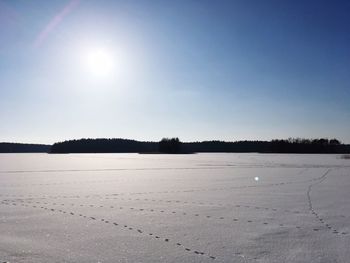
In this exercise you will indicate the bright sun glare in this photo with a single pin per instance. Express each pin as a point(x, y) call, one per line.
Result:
point(99, 62)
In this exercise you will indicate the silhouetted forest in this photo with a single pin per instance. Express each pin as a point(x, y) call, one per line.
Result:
point(6, 147)
point(104, 146)
point(174, 145)
point(309, 146)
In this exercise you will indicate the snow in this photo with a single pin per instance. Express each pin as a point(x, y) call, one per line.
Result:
point(174, 208)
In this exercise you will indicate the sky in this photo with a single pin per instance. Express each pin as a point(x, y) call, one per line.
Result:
point(198, 70)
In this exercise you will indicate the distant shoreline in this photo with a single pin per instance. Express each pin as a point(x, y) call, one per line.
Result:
point(175, 146)
point(118, 145)
point(8, 147)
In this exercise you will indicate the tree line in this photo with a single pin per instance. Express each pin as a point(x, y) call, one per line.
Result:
point(174, 145)
point(6, 147)
point(104, 146)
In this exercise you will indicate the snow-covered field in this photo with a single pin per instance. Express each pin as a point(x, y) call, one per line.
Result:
point(174, 208)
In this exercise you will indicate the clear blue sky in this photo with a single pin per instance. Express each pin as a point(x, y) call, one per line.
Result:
point(198, 70)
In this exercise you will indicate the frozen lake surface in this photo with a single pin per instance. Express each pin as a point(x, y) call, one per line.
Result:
point(174, 208)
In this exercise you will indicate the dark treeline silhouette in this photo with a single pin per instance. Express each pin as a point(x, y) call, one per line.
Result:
point(104, 146)
point(6, 147)
point(222, 146)
point(173, 145)
point(309, 146)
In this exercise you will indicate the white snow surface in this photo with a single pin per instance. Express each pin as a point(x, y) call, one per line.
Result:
point(174, 208)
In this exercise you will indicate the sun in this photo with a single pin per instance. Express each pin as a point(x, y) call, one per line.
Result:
point(99, 62)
